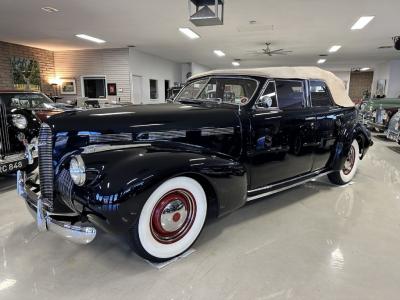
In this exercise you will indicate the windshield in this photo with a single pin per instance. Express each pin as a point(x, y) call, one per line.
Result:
point(225, 90)
point(27, 100)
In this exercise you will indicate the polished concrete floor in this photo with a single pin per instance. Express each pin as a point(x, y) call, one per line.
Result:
point(317, 241)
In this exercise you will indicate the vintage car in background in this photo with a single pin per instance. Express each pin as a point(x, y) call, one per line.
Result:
point(19, 129)
point(393, 129)
point(153, 173)
point(38, 102)
point(377, 113)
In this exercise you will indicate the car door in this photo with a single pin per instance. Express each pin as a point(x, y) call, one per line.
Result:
point(328, 119)
point(280, 114)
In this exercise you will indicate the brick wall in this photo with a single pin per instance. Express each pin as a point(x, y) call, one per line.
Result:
point(360, 82)
point(45, 59)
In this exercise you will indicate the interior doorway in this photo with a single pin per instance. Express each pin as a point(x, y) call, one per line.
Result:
point(166, 87)
point(360, 85)
point(137, 89)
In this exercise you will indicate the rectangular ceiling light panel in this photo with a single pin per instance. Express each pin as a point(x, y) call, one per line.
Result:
point(219, 53)
point(335, 48)
point(90, 38)
point(362, 22)
point(189, 33)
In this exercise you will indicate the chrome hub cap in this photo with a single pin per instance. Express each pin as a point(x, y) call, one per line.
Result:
point(173, 216)
point(350, 160)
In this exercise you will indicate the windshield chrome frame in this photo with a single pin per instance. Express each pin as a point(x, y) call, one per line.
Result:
point(221, 77)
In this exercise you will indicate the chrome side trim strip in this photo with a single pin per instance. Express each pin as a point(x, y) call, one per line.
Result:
point(285, 187)
point(316, 173)
point(107, 147)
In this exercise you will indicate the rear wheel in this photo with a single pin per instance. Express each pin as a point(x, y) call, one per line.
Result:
point(170, 221)
point(350, 166)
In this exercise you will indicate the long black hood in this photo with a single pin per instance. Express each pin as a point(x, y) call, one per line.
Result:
point(138, 118)
point(213, 126)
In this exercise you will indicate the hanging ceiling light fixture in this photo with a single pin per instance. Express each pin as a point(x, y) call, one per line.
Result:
point(206, 12)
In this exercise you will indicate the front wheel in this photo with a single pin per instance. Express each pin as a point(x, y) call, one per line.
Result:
point(350, 166)
point(170, 221)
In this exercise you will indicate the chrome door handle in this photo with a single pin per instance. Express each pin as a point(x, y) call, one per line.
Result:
point(309, 118)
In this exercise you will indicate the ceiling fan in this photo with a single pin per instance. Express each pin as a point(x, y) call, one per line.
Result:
point(268, 51)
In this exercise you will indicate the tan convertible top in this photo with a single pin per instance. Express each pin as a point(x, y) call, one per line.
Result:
point(336, 85)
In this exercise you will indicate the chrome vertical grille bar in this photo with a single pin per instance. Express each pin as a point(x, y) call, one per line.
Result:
point(46, 173)
point(4, 138)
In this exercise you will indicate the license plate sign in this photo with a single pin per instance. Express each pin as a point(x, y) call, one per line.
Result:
point(12, 166)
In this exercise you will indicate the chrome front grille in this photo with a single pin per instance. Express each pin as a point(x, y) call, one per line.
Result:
point(46, 172)
point(64, 186)
point(4, 137)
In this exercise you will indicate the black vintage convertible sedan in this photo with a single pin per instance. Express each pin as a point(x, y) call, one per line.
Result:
point(155, 172)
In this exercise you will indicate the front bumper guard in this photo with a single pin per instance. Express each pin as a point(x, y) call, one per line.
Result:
point(44, 219)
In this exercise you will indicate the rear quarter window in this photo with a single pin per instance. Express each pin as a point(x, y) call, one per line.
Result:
point(320, 94)
point(290, 94)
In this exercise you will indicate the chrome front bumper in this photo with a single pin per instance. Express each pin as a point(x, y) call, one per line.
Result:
point(46, 221)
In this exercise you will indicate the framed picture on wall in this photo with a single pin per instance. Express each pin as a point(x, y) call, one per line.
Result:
point(68, 86)
point(381, 87)
point(112, 89)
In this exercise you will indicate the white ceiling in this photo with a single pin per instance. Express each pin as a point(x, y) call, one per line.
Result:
point(307, 27)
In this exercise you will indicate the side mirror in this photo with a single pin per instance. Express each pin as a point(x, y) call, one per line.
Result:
point(265, 101)
point(169, 100)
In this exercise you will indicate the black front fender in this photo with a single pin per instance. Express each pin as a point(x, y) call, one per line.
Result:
point(125, 178)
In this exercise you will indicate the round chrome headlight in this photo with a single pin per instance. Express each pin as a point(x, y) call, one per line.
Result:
point(19, 121)
point(77, 170)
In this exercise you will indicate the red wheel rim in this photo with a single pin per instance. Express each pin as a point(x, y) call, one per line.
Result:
point(173, 216)
point(350, 160)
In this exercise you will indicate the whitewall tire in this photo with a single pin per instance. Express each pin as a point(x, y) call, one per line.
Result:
point(349, 169)
point(170, 220)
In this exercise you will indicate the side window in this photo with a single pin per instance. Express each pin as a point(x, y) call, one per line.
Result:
point(320, 95)
point(268, 98)
point(290, 94)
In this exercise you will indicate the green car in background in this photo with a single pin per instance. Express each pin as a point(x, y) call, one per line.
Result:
point(377, 113)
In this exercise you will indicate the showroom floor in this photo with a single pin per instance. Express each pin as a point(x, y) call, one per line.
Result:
point(312, 242)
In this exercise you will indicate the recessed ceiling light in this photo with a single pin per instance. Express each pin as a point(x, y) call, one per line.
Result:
point(50, 9)
point(189, 33)
point(334, 48)
point(321, 61)
point(219, 53)
point(365, 69)
point(236, 63)
point(362, 22)
point(90, 38)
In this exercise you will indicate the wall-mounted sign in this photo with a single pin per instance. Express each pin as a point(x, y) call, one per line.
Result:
point(68, 86)
point(26, 74)
point(112, 89)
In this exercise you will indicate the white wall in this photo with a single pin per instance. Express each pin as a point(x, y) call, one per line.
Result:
point(197, 68)
point(381, 71)
point(185, 69)
point(112, 63)
point(393, 89)
point(153, 67)
point(389, 71)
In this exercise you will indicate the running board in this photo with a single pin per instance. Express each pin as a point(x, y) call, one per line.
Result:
point(276, 189)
